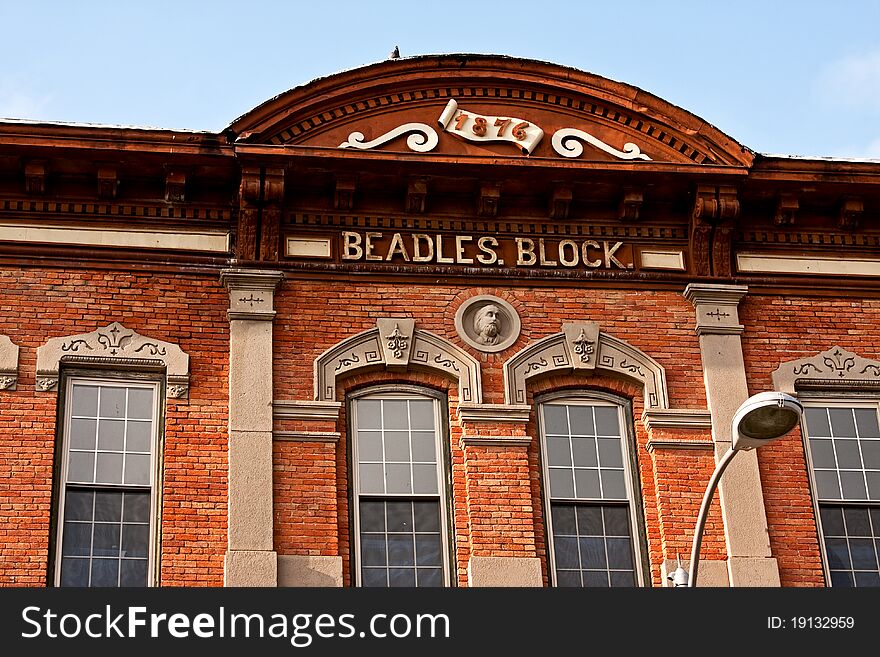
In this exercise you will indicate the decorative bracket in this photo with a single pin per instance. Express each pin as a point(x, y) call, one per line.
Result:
point(416, 195)
point(786, 210)
point(175, 186)
point(836, 367)
point(851, 211)
point(8, 364)
point(490, 197)
point(560, 202)
point(343, 197)
point(113, 345)
point(630, 205)
point(35, 177)
point(108, 182)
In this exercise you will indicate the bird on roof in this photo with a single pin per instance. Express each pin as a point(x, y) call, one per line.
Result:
point(394, 53)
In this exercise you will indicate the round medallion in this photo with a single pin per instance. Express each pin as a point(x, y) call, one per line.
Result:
point(487, 323)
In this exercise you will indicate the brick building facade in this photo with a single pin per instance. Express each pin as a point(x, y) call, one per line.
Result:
point(446, 320)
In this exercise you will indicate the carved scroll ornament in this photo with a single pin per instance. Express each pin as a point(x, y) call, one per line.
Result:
point(832, 368)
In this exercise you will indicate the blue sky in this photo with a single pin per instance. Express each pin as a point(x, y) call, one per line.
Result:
point(784, 77)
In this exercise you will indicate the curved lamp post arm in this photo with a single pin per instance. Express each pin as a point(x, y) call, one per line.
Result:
point(704, 513)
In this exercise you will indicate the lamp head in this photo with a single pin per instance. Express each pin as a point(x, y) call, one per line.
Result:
point(763, 418)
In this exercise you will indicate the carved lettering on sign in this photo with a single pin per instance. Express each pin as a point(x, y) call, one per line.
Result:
point(478, 128)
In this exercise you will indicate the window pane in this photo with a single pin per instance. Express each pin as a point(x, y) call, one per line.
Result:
point(822, 451)
point(616, 520)
point(424, 446)
point(78, 505)
point(558, 450)
point(842, 423)
point(430, 577)
point(77, 539)
point(857, 522)
point(566, 552)
point(622, 579)
point(871, 454)
point(395, 414)
point(563, 519)
point(424, 479)
point(613, 485)
point(561, 483)
point(607, 421)
point(398, 478)
point(838, 553)
point(105, 572)
point(85, 400)
point(397, 446)
point(832, 521)
point(137, 469)
point(594, 578)
point(847, 454)
point(861, 551)
point(401, 551)
point(139, 436)
point(593, 553)
point(555, 420)
point(428, 550)
point(427, 516)
point(587, 484)
point(867, 579)
point(371, 478)
point(372, 516)
point(610, 455)
point(82, 433)
point(568, 578)
point(589, 520)
point(853, 485)
point(584, 450)
point(81, 467)
point(133, 572)
point(866, 423)
point(74, 572)
point(401, 577)
point(619, 553)
point(105, 542)
point(828, 484)
point(368, 415)
point(374, 577)
point(108, 507)
point(135, 540)
point(112, 402)
point(841, 579)
point(373, 550)
point(111, 434)
point(109, 468)
point(136, 507)
point(873, 485)
point(400, 517)
point(581, 420)
point(140, 403)
point(817, 423)
point(369, 446)
point(421, 414)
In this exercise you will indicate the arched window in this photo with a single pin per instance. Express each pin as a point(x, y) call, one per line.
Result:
point(594, 524)
point(400, 532)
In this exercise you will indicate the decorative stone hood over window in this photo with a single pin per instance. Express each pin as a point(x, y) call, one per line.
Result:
point(8, 363)
point(114, 344)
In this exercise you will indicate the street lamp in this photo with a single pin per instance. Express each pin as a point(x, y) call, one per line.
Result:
point(761, 419)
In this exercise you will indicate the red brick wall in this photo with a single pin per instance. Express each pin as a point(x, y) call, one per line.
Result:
point(39, 304)
point(779, 329)
point(498, 504)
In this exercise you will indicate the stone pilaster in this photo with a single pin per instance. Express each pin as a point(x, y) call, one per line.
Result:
point(749, 562)
point(250, 559)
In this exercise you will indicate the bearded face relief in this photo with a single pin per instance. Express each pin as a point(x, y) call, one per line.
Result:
point(487, 325)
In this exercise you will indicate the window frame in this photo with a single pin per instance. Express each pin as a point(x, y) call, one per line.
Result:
point(108, 377)
point(444, 475)
point(641, 565)
point(842, 399)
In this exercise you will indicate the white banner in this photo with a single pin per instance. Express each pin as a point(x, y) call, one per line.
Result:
point(476, 127)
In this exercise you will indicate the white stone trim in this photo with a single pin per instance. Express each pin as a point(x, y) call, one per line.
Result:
point(364, 351)
point(8, 363)
point(306, 409)
point(662, 259)
point(835, 367)
point(654, 445)
point(717, 307)
point(677, 418)
point(818, 265)
point(308, 247)
point(210, 241)
point(251, 293)
point(115, 345)
point(557, 353)
point(518, 413)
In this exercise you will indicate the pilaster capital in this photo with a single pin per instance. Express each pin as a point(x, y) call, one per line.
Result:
point(717, 307)
point(251, 293)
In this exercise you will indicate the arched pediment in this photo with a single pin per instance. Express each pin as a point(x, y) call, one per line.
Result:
point(401, 105)
point(396, 345)
point(581, 347)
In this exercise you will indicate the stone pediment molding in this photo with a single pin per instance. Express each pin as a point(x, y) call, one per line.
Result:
point(525, 107)
point(8, 363)
point(117, 346)
point(395, 344)
point(581, 347)
point(836, 367)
